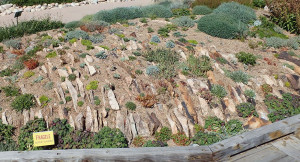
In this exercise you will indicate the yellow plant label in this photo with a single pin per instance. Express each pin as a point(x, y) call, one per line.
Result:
point(43, 138)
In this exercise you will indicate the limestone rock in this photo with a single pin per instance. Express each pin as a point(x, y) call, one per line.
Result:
point(73, 93)
point(89, 119)
point(112, 100)
point(79, 121)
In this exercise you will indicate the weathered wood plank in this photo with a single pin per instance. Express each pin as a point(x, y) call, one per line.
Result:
point(224, 149)
point(289, 145)
point(263, 154)
point(202, 153)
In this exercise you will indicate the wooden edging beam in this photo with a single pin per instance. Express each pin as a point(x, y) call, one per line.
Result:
point(216, 152)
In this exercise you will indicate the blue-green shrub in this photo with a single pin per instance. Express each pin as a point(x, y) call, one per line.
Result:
point(97, 38)
point(77, 34)
point(73, 24)
point(118, 14)
point(237, 11)
point(170, 44)
point(14, 43)
point(202, 10)
point(183, 21)
point(279, 42)
point(222, 26)
point(101, 55)
point(155, 39)
point(152, 70)
point(156, 10)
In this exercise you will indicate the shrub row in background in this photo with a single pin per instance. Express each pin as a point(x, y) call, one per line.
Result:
point(216, 3)
point(28, 27)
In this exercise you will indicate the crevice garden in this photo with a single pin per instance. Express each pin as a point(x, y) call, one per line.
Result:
point(169, 74)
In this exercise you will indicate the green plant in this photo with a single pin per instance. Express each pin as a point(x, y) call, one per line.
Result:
point(183, 21)
point(97, 100)
point(120, 14)
point(202, 138)
point(155, 39)
point(201, 10)
point(163, 135)
point(181, 139)
point(246, 110)
point(44, 100)
point(216, 3)
point(110, 138)
point(28, 27)
point(28, 74)
point(198, 66)
point(73, 24)
point(150, 30)
point(266, 88)
point(221, 25)
point(180, 12)
point(77, 34)
point(259, 3)
point(51, 55)
point(80, 103)
point(238, 76)
point(246, 58)
point(96, 25)
point(24, 101)
point(25, 138)
point(214, 124)
point(156, 11)
point(170, 44)
point(14, 43)
point(289, 66)
point(68, 98)
point(117, 76)
point(163, 31)
point(249, 93)
point(279, 42)
point(232, 127)
point(167, 60)
point(130, 105)
point(10, 91)
point(279, 108)
point(86, 42)
point(101, 55)
point(287, 84)
point(143, 20)
point(239, 12)
point(139, 72)
point(72, 77)
point(150, 143)
point(138, 141)
point(7, 72)
point(93, 85)
point(218, 91)
point(97, 38)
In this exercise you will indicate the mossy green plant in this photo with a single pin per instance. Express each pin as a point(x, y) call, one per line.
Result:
point(93, 85)
point(28, 74)
point(130, 105)
point(51, 54)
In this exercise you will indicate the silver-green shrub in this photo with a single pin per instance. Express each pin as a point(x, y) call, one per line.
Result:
point(77, 34)
point(202, 10)
point(183, 21)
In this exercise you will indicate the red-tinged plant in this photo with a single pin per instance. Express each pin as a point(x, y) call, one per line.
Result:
point(31, 64)
point(181, 139)
point(18, 52)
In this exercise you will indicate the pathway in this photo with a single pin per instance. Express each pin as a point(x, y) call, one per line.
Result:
point(71, 13)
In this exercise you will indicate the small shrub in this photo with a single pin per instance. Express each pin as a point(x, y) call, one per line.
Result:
point(198, 66)
point(170, 44)
point(110, 138)
point(14, 43)
point(150, 143)
point(163, 31)
point(86, 42)
point(96, 26)
point(157, 11)
point(289, 66)
point(246, 110)
point(155, 39)
point(7, 72)
point(97, 38)
point(239, 76)
point(202, 10)
point(246, 58)
point(259, 3)
point(80, 103)
point(73, 24)
point(10, 91)
point(152, 70)
point(202, 138)
point(214, 124)
point(287, 84)
point(178, 34)
point(181, 139)
point(279, 42)
point(31, 64)
point(77, 34)
point(218, 91)
point(117, 76)
point(163, 135)
point(139, 72)
point(266, 88)
point(237, 11)
point(101, 55)
point(130, 105)
point(183, 21)
point(138, 141)
point(180, 12)
point(222, 26)
point(68, 98)
point(93, 85)
point(51, 55)
point(25, 101)
point(72, 77)
point(249, 93)
point(44, 100)
point(233, 127)
point(150, 30)
point(28, 74)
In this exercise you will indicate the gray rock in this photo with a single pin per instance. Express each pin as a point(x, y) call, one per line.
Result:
point(112, 100)
point(79, 120)
point(89, 119)
point(73, 93)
